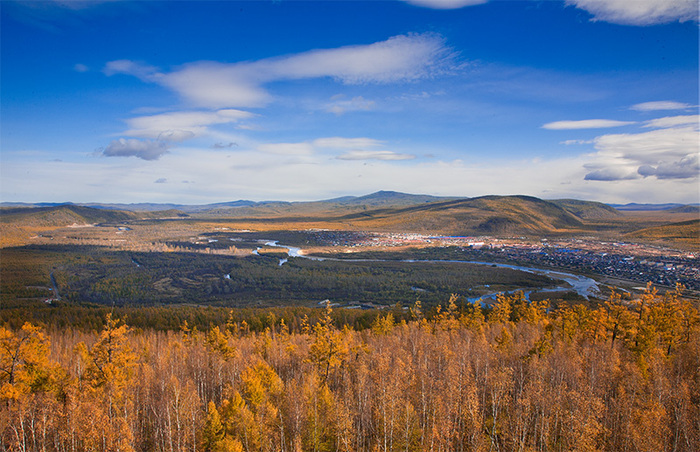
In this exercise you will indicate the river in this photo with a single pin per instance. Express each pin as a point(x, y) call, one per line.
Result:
point(583, 285)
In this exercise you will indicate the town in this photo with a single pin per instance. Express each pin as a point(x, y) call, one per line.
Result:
point(637, 262)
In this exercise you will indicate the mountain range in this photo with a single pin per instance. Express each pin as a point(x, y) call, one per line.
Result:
point(380, 211)
point(379, 199)
point(687, 208)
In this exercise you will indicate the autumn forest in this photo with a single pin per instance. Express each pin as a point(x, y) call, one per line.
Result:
point(519, 375)
point(120, 332)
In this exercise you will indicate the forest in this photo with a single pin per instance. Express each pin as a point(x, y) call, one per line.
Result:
point(110, 277)
point(622, 375)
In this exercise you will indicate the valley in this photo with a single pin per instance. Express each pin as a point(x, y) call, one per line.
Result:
point(367, 252)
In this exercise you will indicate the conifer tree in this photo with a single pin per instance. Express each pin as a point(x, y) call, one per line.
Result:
point(327, 349)
point(24, 362)
point(213, 431)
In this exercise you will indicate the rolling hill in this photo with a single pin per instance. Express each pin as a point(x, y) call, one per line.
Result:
point(684, 231)
point(63, 215)
point(336, 206)
point(68, 214)
point(492, 215)
point(652, 207)
point(692, 208)
point(136, 207)
point(388, 199)
point(245, 208)
point(588, 210)
point(17, 224)
point(381, 211)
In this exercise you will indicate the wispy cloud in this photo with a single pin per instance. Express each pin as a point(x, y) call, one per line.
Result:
point(347, 143)
point(445, 4)
point(77, 4)
point(585, 124)
point(179, 126)
point(623, 12)
point(360, 149)
point(375, 155)
point(660, 105)
point(48, 15)
point(340, 106)
point(219, 85)
point(570, 142)
point(354, 148)
point(639, 12)
point(287, 148)
point(140, 70)
point(673, 121)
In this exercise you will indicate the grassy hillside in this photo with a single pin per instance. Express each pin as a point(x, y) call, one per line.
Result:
point(686, 209)
point(389, 199)
point(391, 211)
point(337, 206)
point(62, 216)
point(493, 215)
point(17, 224)
point(588, 210)
point(684, 231)
point(385, 211)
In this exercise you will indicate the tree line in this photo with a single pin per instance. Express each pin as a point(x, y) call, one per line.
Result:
point(623, 375)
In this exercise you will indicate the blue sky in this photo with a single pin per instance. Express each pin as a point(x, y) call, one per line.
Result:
point(199, 102)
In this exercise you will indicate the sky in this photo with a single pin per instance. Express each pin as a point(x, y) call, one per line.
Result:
point(196, 102)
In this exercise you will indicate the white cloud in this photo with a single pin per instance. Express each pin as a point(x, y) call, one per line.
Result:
point(359, 103)
point(685, 168)
point(143, 71)
point(665, 153)
point(400, 58)
point(218, 85)
point(651, 147)
point(375, 155)
point(585, 124)
point(180, 126)
point(673, 121)
point(342, 148)
point(347, 143)
point(171, 136)
point(445, 4)
point(79, 67)
point(360, 148)
point(143, 149)
point(214, 175)
point(611, 174)
point(660, 105)
point(570, 142)
point(287, 148)
point(639, 12)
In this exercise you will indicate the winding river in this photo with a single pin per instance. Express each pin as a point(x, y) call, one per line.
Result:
point(583, 285)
